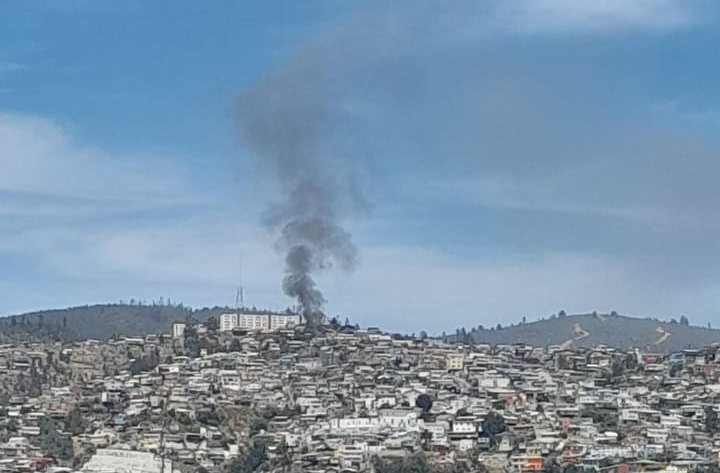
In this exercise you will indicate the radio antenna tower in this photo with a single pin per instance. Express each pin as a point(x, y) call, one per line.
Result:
point(239, 296)
point(239, 302)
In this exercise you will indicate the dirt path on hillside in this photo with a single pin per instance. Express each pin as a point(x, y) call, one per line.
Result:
point(579, 333)
point(664, 335)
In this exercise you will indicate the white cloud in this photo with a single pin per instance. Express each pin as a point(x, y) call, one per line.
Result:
point(199, 261)
point(402, 288)
point(75, 219)
point(89, 225)
point(46, 173)
point(38, 156)
point(571, 193)
point(593, 15)
point(413, 289)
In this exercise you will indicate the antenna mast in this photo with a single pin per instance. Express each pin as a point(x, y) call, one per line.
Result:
point(239, 296)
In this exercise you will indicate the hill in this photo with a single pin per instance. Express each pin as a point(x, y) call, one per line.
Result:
point(99, 321)
point(589, 330)
point(103, 321)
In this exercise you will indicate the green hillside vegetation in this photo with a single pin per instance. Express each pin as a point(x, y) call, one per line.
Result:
point(100, 321)
point(104, 321)
point(589, 330)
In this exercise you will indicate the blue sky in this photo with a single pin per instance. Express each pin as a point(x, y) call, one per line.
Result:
point(517, 157)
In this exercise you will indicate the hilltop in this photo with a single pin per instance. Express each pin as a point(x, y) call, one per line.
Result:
point(104, 321)
point(100, 321)
point(589, 330)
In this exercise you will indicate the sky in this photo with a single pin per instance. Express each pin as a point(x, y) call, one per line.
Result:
point(514, 158)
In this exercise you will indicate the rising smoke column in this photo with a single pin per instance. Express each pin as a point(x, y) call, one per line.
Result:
point(287, 120)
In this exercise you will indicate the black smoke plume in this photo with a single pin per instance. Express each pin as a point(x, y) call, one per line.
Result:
point(288, 122)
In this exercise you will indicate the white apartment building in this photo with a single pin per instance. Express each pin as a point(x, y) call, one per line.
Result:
point(125, 461)
point(227, 322)
point(258, 322)
point(178, 329)
point(454, 362)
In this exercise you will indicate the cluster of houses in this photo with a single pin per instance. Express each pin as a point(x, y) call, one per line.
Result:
point(344, 399)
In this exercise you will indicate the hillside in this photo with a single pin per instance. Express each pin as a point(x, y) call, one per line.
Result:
point(589, 330)
point(99, 321)
point(572, 331)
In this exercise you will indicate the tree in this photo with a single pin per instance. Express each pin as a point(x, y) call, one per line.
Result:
point(213, 324)
point(74, 422)
point(87, 452)
point(415, 463)
point(142, 364)
point(498, 326)
point(424, 402)
point(493, 424)
point(52, 443)
point(631, 361)
point(605, 419)
point(256, 457)
point(35, 387)
point(209, 416)
point(618, 368)
point(551, 465)
point(573, 469)
point(711, 420)
point(684, 321)
point(562, 313)
point(191, 341)
point(710, 468)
